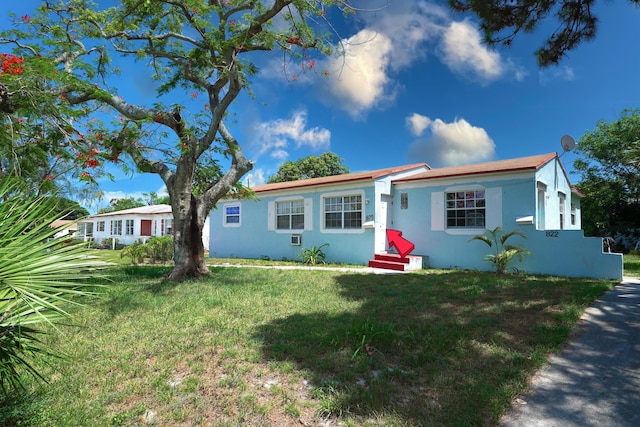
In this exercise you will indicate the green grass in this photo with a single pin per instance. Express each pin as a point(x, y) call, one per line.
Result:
point(262, 347)
point(632, 265)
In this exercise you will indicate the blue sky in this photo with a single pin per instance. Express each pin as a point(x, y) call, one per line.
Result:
point(417, 85)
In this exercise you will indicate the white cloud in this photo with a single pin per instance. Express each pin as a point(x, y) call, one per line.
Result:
point(564, 73)
point(463, 52)
point(418, 123)
point(276, 137)
point(358, 80)
point(255, 177)
point(402, 34)
point(451, 144)
point(362, 78)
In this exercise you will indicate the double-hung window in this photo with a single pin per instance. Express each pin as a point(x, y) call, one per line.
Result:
point(466, 209)
point(290, 215)
point(116, 227)
point(343, 212)
point(100, 226)
point(129, 227)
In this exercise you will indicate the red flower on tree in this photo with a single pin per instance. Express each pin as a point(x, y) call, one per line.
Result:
point(11, 64)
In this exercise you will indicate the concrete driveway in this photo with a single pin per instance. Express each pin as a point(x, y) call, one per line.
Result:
point(595, 379)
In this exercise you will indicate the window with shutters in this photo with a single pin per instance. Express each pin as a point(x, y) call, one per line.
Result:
point(465, 209)
point(290, 215)
point(129, 227)
point(116, 227)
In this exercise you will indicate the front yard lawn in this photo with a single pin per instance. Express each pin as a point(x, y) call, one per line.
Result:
point(264, 347)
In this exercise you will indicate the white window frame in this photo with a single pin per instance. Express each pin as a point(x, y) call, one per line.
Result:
point(129, 227)
point(100, 226)
point(117, 227)
point(561, 207)
point(272, 218)
point(342, 230)
point(168, 227)
point(541, 202)
point(226, 216)
point(493, 210)
point(574, 212)
point(288, 208)
point(465, 201)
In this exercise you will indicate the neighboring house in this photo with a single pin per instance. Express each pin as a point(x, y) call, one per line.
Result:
point(67, 228)
point(438, 210)
point(130, 225)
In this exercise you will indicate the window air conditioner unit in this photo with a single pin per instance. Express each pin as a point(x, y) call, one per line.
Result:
point(296, 239)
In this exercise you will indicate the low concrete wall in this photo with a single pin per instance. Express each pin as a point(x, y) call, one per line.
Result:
point(567, 253)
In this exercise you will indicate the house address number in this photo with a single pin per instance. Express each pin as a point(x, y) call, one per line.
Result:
point(551, 234)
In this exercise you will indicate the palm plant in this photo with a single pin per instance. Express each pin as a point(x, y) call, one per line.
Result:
point(314, 255)
point(504, 253)
point(39, 276)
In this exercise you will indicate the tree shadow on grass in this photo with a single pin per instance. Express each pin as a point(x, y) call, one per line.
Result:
point(422, 349)
point(19, 408)
point(149, 278)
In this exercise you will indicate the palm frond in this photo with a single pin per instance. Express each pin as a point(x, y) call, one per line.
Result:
point(40, 276)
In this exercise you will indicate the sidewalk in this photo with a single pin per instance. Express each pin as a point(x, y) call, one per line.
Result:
point(595, 379)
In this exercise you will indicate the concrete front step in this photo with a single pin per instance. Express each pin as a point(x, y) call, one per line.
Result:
point(396, 262)
point(388, 265)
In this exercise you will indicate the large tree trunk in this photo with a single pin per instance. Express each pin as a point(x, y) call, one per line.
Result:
point(188, 249)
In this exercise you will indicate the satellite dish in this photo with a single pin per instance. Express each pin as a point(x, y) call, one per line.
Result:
point(568, 143)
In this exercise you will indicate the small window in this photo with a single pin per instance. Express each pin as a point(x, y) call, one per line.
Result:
point(100, 226)
point(290, 215)
point(404, 200)
point(231, 215)
point(116, 227)
point(466, 209)
point(573, 214)
point(129, 227)
point(168, 227)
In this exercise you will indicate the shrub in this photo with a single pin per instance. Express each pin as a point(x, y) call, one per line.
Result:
point(160, 248)
point(136, 251)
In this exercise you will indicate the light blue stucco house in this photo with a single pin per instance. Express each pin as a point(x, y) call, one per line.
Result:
point(436, 210)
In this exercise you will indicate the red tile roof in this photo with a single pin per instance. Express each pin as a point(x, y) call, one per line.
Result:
point(511, 165)
point(335, 179)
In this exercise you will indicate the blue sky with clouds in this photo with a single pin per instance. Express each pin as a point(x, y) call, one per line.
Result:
point(417, 85)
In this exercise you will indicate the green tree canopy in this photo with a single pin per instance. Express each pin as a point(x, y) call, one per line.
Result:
point(610, 175)
point(67, 208)
point(203, 48)
point(501, 21)
point(326, 164)
point(122, 204)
